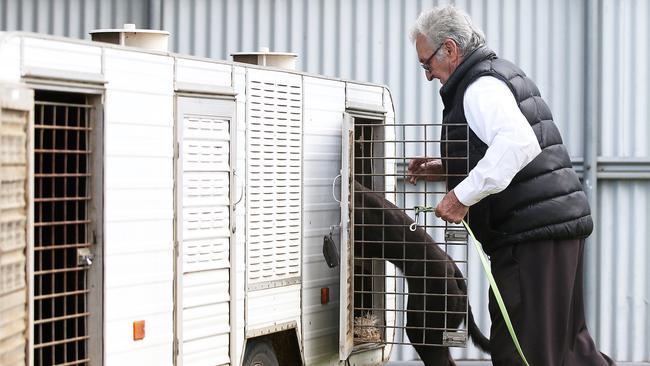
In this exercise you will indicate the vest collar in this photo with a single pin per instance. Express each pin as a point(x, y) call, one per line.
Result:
point(448, 90)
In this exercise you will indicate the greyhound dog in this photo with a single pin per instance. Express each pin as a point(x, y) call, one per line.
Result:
point(381, 231)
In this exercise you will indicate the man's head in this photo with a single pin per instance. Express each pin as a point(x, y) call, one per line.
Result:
point(443, 36)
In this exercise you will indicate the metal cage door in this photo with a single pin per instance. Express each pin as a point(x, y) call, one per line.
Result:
point(68, 287)
point(384, 219)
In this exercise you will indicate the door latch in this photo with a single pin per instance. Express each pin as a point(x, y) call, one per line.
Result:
point(84, 257)
point(456, 234)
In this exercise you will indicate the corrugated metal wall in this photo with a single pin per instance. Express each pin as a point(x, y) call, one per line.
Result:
point(621, 287)
point(367, 40)
point(72, 18)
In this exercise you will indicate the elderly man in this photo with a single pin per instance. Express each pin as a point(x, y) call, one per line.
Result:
point(525, 202)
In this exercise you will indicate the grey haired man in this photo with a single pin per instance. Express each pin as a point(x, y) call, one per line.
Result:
point(523, 200)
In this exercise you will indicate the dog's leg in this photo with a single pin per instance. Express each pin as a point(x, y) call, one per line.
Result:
point(451, 360)
point(435, 356)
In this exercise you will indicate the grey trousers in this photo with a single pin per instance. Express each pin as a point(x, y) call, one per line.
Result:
point(542, 286)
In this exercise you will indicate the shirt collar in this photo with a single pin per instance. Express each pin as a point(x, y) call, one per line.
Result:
point(448, 89)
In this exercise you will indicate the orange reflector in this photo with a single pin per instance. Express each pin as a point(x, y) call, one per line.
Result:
point(138, 330)
point(324, 295)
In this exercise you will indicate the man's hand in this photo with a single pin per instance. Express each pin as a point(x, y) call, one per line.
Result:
point(450, 209)
point(427, 168)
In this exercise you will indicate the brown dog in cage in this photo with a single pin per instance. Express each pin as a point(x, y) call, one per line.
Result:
point(436, 288)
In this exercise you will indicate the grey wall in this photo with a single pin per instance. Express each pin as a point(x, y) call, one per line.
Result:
point(71, 18)
point(589, 57)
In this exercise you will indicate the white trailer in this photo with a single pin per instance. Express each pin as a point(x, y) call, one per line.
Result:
point(178, 207)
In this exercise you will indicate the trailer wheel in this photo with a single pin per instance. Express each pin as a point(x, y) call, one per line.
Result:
point(260, 353)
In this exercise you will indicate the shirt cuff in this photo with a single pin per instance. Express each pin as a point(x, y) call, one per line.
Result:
point(466, 194)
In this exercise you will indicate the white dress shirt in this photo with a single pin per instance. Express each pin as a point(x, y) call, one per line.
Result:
point(492, 113)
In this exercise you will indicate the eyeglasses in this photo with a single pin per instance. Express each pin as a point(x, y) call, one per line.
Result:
point(426, 65)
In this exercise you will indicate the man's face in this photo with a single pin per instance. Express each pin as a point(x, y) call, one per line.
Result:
point(437, 69)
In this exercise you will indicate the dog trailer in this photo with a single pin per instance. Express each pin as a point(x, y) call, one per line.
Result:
point(175, 209)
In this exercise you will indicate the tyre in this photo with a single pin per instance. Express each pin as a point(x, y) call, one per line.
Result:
point(260, 353)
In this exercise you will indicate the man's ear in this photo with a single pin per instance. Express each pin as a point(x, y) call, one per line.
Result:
point(452, 50)
point(450, 47)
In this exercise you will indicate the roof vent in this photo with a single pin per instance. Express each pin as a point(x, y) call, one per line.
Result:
point(150, 39)
point(266, 58)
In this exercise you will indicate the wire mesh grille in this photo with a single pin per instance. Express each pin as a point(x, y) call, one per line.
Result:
point(408, 264)
point(62, 148)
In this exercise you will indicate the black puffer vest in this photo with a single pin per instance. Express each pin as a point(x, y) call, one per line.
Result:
point(545, 199)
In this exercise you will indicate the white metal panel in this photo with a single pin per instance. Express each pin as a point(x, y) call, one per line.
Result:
point(206, 317)
point(135, 139)
point(138, 110)
point(61, 56)
point(156, 347)
point(203, 72)
point(390, 184)
point(9, 58)
point(273, 306)
point(13, 326)
point(139, 72)
point(150, 236)
point(273, 198)
point(390, 166)
point(346, 294)
point(324, 102)
point(160, 117)
point(204, 235)
point(237, 289)
point(364, 95)
point(154, 270)
point(274, 170)
point(16, 105)
point(148, 302)
point(138, 204)
point(121, 166)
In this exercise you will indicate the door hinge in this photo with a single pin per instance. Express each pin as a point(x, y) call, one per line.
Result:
point(175, 350)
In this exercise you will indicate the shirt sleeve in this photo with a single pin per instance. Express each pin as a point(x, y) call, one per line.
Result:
point(492, 113)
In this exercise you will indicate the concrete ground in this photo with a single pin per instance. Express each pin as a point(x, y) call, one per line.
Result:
point(487, 363)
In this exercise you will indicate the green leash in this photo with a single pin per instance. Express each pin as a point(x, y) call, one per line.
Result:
point(497, 294)
point(488, 273)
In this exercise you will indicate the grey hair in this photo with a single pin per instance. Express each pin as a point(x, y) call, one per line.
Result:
point(440, 23)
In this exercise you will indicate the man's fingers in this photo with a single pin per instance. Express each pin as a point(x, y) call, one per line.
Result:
point(411, 164)
point(414, 162)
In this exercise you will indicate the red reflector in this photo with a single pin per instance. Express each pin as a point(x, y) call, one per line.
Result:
point(324, 295)
point(138, 330)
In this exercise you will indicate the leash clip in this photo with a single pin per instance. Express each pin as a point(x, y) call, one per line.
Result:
point(418, 210)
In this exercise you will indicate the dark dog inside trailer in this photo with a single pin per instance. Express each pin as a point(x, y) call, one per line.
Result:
point(382, 232)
